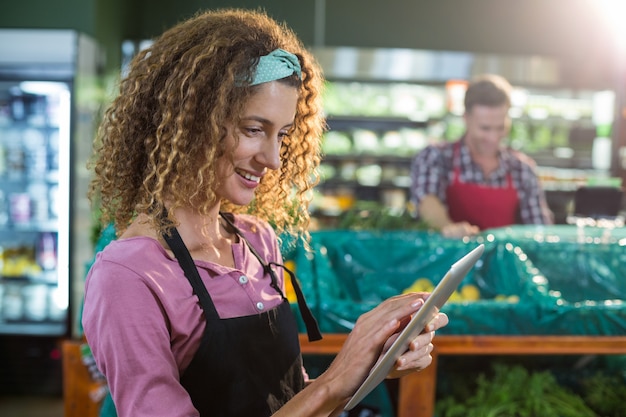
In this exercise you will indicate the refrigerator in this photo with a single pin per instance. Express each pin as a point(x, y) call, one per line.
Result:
point(47, 122)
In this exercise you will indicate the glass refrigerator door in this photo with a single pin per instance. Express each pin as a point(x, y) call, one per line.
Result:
point(34, 207)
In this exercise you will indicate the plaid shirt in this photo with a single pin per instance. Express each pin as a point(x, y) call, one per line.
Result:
point(432, 171)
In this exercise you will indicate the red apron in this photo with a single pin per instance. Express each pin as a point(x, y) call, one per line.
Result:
point(481, 205)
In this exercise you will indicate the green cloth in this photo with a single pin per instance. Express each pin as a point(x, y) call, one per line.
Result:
point(108, 408)
point(532, 280)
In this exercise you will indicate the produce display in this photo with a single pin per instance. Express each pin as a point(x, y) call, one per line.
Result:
point(465, 293)
point(514, 391)
point(530, 281)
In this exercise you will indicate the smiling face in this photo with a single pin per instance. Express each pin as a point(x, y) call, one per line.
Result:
point(485, 127)
point(267, 119)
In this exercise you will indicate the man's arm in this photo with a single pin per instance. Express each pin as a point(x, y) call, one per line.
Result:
point(435, 214)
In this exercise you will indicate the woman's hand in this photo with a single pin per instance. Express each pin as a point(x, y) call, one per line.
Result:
point(372, 335)
point(418, 357)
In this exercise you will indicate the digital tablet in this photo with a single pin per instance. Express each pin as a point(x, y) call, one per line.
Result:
point(420, 319)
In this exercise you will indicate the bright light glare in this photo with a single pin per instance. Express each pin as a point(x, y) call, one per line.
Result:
point(613, 12)
point(43, 87)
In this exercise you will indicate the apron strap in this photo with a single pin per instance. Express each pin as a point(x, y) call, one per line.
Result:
point(310, 322)
point(185, 260)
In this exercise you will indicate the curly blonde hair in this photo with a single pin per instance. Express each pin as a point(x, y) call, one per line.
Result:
point(161, 137)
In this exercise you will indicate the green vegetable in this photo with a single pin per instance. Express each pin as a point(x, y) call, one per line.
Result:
point(370, 215)
point(514, 392)
point(605, 394)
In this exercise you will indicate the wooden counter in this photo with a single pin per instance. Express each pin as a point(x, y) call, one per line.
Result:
point(417, 391)
point(416, 396)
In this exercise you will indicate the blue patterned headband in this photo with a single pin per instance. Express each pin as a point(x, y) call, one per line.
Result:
point(276, 65)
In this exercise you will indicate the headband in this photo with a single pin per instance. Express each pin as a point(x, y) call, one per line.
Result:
point(276, 65)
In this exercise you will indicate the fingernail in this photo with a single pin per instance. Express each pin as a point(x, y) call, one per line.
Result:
point(418, 303)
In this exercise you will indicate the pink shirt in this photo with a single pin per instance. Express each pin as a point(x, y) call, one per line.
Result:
point(144, 324)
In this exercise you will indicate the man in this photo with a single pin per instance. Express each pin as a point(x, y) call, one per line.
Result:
point(477, 183)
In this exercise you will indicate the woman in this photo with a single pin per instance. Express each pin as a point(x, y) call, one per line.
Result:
point(215, 135)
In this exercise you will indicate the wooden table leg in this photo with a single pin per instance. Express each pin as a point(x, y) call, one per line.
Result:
point(416, 397)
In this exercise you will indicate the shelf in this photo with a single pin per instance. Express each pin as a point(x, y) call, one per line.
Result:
point(338, 183)
point(44, 277)
point(373, 123)
point(50, 176)
point(33, 227)
point(24, 327)
point(368, 158)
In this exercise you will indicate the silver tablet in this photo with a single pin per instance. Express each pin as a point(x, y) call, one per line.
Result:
point(420, 319)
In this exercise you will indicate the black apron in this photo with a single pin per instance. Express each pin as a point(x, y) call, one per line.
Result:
point(245, 366)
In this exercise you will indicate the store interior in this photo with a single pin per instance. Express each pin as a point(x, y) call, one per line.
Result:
point(396, 73)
